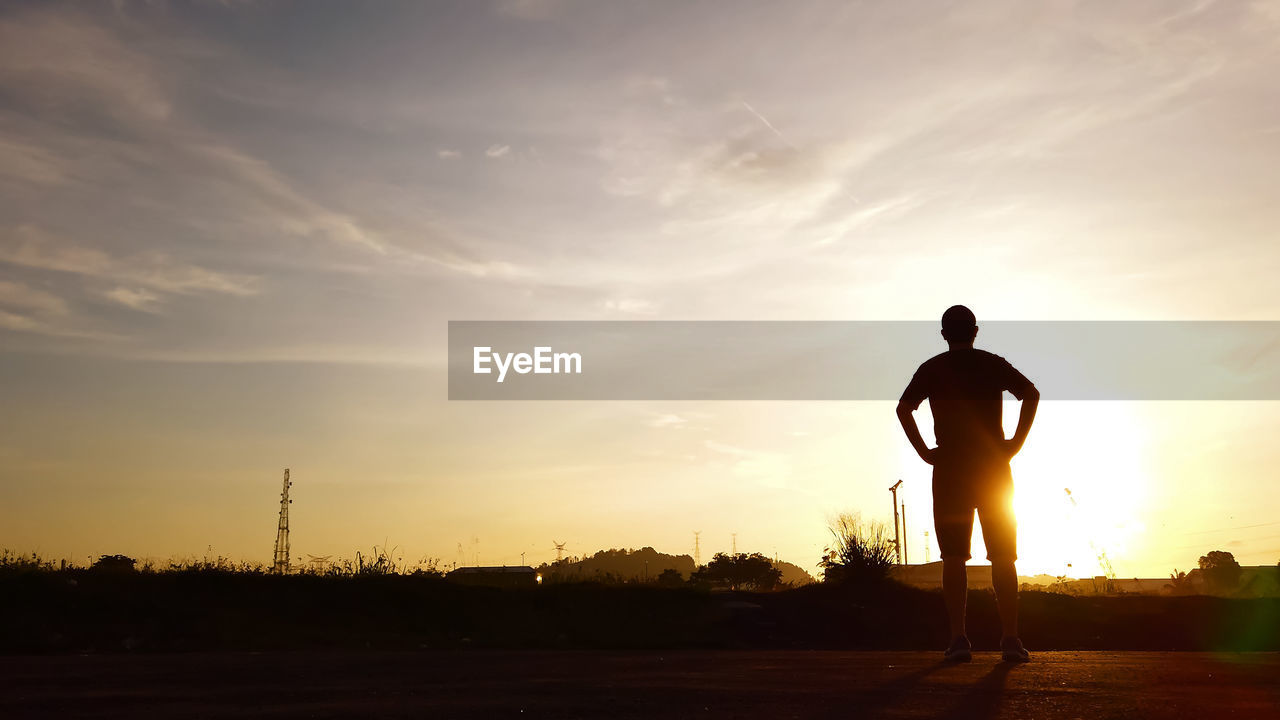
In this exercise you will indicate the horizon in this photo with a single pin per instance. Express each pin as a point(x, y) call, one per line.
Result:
point(234, 235)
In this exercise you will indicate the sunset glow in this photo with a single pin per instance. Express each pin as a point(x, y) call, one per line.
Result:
point(232, 236)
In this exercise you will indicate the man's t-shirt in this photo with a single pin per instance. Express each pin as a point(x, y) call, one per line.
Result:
point(965, 391)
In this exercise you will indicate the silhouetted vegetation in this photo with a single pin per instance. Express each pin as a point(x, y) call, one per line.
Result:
point(114, 563)
point(646, 565)
point(617, 566)
point(219, 605)
point(1180, 583)
point(861, 553)
point(47, 609)
point(1221, 571)
point(739, 572)
point(670, 578)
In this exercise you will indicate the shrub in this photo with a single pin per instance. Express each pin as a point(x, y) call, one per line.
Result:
point(861, 553)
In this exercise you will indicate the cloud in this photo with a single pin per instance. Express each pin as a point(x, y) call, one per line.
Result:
point(95, 111)
point(629, 306)
point(138, 299)
point(31, 247)
point(768, 469)
point(668, 420)
point(21, 323)
point(170, 155)
point(530, 9)
point(31, 310)
point(26, 163)
point(19, 296)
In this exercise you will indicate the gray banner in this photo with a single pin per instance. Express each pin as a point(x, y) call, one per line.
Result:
point(673, 360)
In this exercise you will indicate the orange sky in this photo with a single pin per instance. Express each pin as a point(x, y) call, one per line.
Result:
point(231, 238)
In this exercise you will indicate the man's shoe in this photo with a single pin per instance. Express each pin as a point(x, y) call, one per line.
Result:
point(960, 650)
point(1011, 650)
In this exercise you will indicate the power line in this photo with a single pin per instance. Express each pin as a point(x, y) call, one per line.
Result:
point(1242, 527)
point(1257, 539)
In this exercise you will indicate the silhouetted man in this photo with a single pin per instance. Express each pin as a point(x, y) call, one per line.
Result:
point(965, 389)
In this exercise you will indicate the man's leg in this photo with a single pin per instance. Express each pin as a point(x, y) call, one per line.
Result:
point(1004, 578)
point(953, 526)
point(955, 592)
point(1000, 529)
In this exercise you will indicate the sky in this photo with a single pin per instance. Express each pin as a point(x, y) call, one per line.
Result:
point(232, 234)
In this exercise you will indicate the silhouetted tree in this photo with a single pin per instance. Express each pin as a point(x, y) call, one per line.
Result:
point(1179, 583)
point(862, 553)
point(670, 578)
point(739, 572)
point(793, 575)
point(1221, 571)
point(114, 563)
point(616, 566)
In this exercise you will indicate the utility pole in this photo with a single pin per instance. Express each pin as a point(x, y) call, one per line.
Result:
point(280, 565)
point(735, 543)
point(897, 539)
point(905, 557)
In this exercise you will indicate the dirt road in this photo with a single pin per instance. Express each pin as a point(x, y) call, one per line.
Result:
point(591, 684)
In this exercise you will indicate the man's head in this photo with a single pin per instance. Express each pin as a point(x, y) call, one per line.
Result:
point(959, 326)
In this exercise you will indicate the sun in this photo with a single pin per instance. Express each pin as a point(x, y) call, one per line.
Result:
point(1097, 450)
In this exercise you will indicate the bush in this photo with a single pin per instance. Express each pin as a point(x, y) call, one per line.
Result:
point(739, 572)
point(114, 563)
point(861, 553)
point(670, 578)
point(1221, 571)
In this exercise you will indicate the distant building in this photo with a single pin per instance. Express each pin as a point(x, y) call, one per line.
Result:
point(929, 575)
point(1255, 581)
point(1260, 580)
point(496, 576)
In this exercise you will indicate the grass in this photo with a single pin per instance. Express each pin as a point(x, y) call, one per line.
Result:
point(202, 605)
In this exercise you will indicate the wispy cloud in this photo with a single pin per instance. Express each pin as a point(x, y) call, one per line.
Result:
point(769, 469)
point(668, 420)
point(136, 298)
point(530, 9)
point(18, 296)
point(497, 151)
point(27, 309)
point(31, 247)
point(630, 306)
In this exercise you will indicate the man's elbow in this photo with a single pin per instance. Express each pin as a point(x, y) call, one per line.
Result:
point(904, 410)
point(1031, 395)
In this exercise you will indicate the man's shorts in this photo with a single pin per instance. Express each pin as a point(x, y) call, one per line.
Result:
point(961, 487)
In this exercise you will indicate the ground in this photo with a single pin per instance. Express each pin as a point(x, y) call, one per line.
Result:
point(683, 683)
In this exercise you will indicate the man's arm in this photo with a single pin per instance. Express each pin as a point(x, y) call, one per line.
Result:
point(909, 426)
point(1026, 416)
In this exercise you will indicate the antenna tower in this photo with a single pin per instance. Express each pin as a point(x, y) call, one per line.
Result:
point(280, 565)
point(697, 550)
